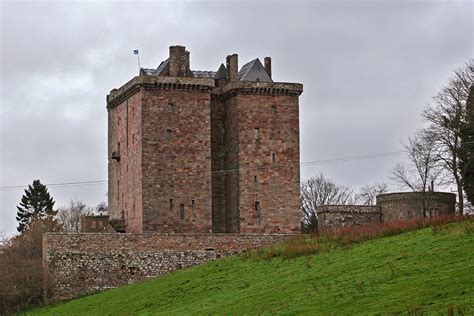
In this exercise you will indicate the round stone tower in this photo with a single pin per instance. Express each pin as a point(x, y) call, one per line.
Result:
point(408, 205)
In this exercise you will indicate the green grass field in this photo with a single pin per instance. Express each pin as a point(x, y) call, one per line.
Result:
point(428, 271)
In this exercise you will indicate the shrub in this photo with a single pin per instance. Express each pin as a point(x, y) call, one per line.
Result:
point(21, 275)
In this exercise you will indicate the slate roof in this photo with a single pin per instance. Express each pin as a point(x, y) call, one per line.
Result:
point(251, 71)
point(158, 71)
point(161, 67)
point(254, 71)
point(221, 73)
point(203, 73)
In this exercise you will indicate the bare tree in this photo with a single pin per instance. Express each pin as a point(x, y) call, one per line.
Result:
point(318, 191)
point(423, 169)
point(446, 116)
point(368, 193)
point(70, 216)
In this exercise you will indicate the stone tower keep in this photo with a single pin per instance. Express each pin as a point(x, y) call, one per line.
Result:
point(203, 151)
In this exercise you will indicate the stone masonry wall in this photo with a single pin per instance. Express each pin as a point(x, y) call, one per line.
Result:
point(338, 216)
point(125, 188)
point(409, 205)
point(95, 224)
point(218, 155)
point(176, 161)
point(389, 207)
point(79, 264)
point(268, 128)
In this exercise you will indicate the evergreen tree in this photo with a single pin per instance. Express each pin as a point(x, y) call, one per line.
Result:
point(35, 203)
point(467, 149)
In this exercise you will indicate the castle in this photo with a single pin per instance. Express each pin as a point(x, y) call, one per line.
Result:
point(202, 165)
point(204, 151)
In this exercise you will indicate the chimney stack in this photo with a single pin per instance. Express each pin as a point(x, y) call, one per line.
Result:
point(268, 66)
point(233, 67)
point(179, 61)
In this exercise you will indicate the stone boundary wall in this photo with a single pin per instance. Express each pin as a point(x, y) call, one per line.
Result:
point(338, 216)
point(80, 264)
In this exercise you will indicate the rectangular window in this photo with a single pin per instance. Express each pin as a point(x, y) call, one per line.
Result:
point(257, 209)
point(170, 107)
point(181, 211)
point(171, 204)
point(257, 133)
point(255, 179)
point(168, 134)
point(273, 157)
point(193, 204)
point(118, 147)
point(133, 138)
point(274, 109)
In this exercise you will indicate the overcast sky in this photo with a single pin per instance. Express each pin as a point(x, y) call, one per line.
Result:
point(368, 69)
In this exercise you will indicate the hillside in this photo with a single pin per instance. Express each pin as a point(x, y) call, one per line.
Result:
point(429, 270)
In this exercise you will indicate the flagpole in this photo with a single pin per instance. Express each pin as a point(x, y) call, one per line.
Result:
point(138, 58)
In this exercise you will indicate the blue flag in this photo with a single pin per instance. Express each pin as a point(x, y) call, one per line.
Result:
point(135, 51)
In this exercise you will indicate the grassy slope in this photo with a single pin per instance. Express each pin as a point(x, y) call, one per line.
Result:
point(421, 271)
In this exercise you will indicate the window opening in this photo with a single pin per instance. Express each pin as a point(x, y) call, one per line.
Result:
point(257, 133)
point(257, 209)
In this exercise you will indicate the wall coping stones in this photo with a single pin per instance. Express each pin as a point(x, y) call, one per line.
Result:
point(356, 209)
point(159, 241)
point(414, 196)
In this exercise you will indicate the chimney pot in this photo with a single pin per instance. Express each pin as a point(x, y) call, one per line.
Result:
point(179, 61)
point(233, 67)
point(268, 66)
